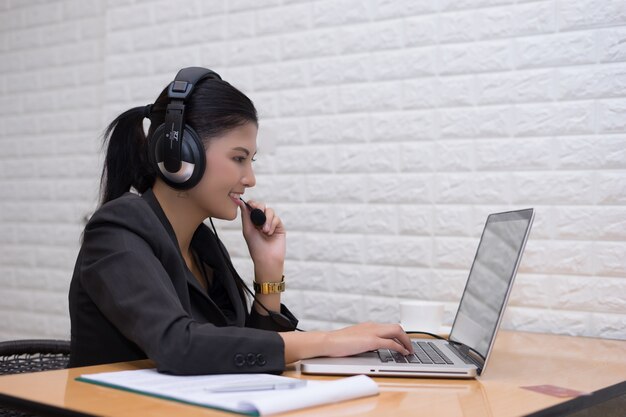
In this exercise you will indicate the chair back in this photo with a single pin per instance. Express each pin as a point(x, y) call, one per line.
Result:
point(32, 355)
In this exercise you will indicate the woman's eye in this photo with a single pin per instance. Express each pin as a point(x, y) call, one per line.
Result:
point(242, 159)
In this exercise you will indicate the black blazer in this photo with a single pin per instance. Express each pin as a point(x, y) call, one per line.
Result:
point(133, 297)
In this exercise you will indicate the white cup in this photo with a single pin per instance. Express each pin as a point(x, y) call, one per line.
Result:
point(421, 316)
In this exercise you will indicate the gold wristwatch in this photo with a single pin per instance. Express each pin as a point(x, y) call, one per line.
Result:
point(270, 287)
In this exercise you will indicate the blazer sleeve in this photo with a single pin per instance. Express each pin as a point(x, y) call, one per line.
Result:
point(265, 322)
point(128, 283)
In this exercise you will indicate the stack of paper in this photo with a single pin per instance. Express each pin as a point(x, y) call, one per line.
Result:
point(205, 390)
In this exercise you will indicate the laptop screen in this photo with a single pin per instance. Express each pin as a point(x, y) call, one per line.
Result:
point(490, 279)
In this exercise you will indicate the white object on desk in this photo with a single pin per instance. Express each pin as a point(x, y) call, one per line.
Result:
point(422, 316)
point(196, 389)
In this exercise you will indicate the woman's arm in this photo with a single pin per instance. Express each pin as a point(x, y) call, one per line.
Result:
point(267, 249)
point(345, 342)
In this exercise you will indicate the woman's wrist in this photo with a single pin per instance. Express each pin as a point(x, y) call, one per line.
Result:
point(268, 272)
point(304, 345)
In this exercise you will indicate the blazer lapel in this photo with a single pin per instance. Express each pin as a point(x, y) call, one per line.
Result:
point(209, 243)
point(150, 198)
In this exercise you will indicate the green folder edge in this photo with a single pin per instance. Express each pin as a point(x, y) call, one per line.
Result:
point(163, 397)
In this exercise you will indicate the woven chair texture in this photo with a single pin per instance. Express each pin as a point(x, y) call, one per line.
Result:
point(33, 355)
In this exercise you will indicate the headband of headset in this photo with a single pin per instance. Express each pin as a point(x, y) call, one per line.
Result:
point(178, 92)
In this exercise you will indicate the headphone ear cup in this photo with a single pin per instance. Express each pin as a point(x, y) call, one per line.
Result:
point(193, 159)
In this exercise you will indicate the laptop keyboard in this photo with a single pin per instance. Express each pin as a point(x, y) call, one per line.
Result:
point(425, 352)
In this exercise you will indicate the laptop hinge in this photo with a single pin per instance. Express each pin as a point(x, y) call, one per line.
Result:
point(477, 360)
point(465, 352)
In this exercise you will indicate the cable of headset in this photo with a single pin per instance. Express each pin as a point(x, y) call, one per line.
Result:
point(277, 318)
point(283, 321)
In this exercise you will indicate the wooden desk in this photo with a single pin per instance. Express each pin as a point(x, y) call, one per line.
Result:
point(519, 359)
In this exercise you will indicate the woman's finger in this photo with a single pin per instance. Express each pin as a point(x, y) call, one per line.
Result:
point(256, 204)
point(275, 223)
point(269, 218)
point(395, 331)
point(393, 345)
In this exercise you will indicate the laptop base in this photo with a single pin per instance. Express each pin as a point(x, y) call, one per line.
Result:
point(369, 363)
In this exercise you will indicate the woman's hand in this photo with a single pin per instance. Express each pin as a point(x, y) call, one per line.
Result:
point(346, 342)
point(266, 243)
point(365, 337)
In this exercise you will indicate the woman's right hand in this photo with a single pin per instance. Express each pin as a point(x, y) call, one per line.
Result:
point(365, 337)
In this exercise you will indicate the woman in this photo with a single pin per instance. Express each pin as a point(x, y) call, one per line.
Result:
point(153, 281)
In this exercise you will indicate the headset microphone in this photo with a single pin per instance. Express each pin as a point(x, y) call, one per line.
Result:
point(256, 215)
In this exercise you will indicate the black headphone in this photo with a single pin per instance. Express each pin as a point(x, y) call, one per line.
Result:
point(176, 149)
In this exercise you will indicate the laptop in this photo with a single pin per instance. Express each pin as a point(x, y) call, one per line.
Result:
point(466, 352)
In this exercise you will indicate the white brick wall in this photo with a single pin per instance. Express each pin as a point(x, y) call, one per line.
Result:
point(389, 130)
point(50, 116)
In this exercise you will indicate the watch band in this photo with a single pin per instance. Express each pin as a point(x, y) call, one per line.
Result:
point(270, 287)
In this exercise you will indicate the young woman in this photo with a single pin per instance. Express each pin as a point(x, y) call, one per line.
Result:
point(153, 281)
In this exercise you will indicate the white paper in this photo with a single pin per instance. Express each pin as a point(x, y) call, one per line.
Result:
point(316, 394)
point(197, 390)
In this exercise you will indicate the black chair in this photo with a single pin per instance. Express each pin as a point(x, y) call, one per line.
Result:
point(21, 356)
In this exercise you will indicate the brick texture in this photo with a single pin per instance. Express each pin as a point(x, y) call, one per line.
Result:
point(389, 130)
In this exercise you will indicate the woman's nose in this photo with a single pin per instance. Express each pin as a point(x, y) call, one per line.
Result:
point(249, 180)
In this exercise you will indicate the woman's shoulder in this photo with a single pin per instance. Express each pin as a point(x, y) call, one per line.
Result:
point(127, 227)
point(127, 204)
point(127, 221)
point(129, 211)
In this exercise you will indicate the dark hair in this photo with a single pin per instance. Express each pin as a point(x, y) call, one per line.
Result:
point(214, 108)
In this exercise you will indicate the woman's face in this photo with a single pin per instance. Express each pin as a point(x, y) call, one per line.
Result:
point(228, 172)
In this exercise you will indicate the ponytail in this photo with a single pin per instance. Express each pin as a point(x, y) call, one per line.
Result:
point(126, 164)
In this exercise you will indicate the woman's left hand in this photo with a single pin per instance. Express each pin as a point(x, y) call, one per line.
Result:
point(267, 243)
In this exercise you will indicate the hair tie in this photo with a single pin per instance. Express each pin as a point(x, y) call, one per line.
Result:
point(147, 110)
